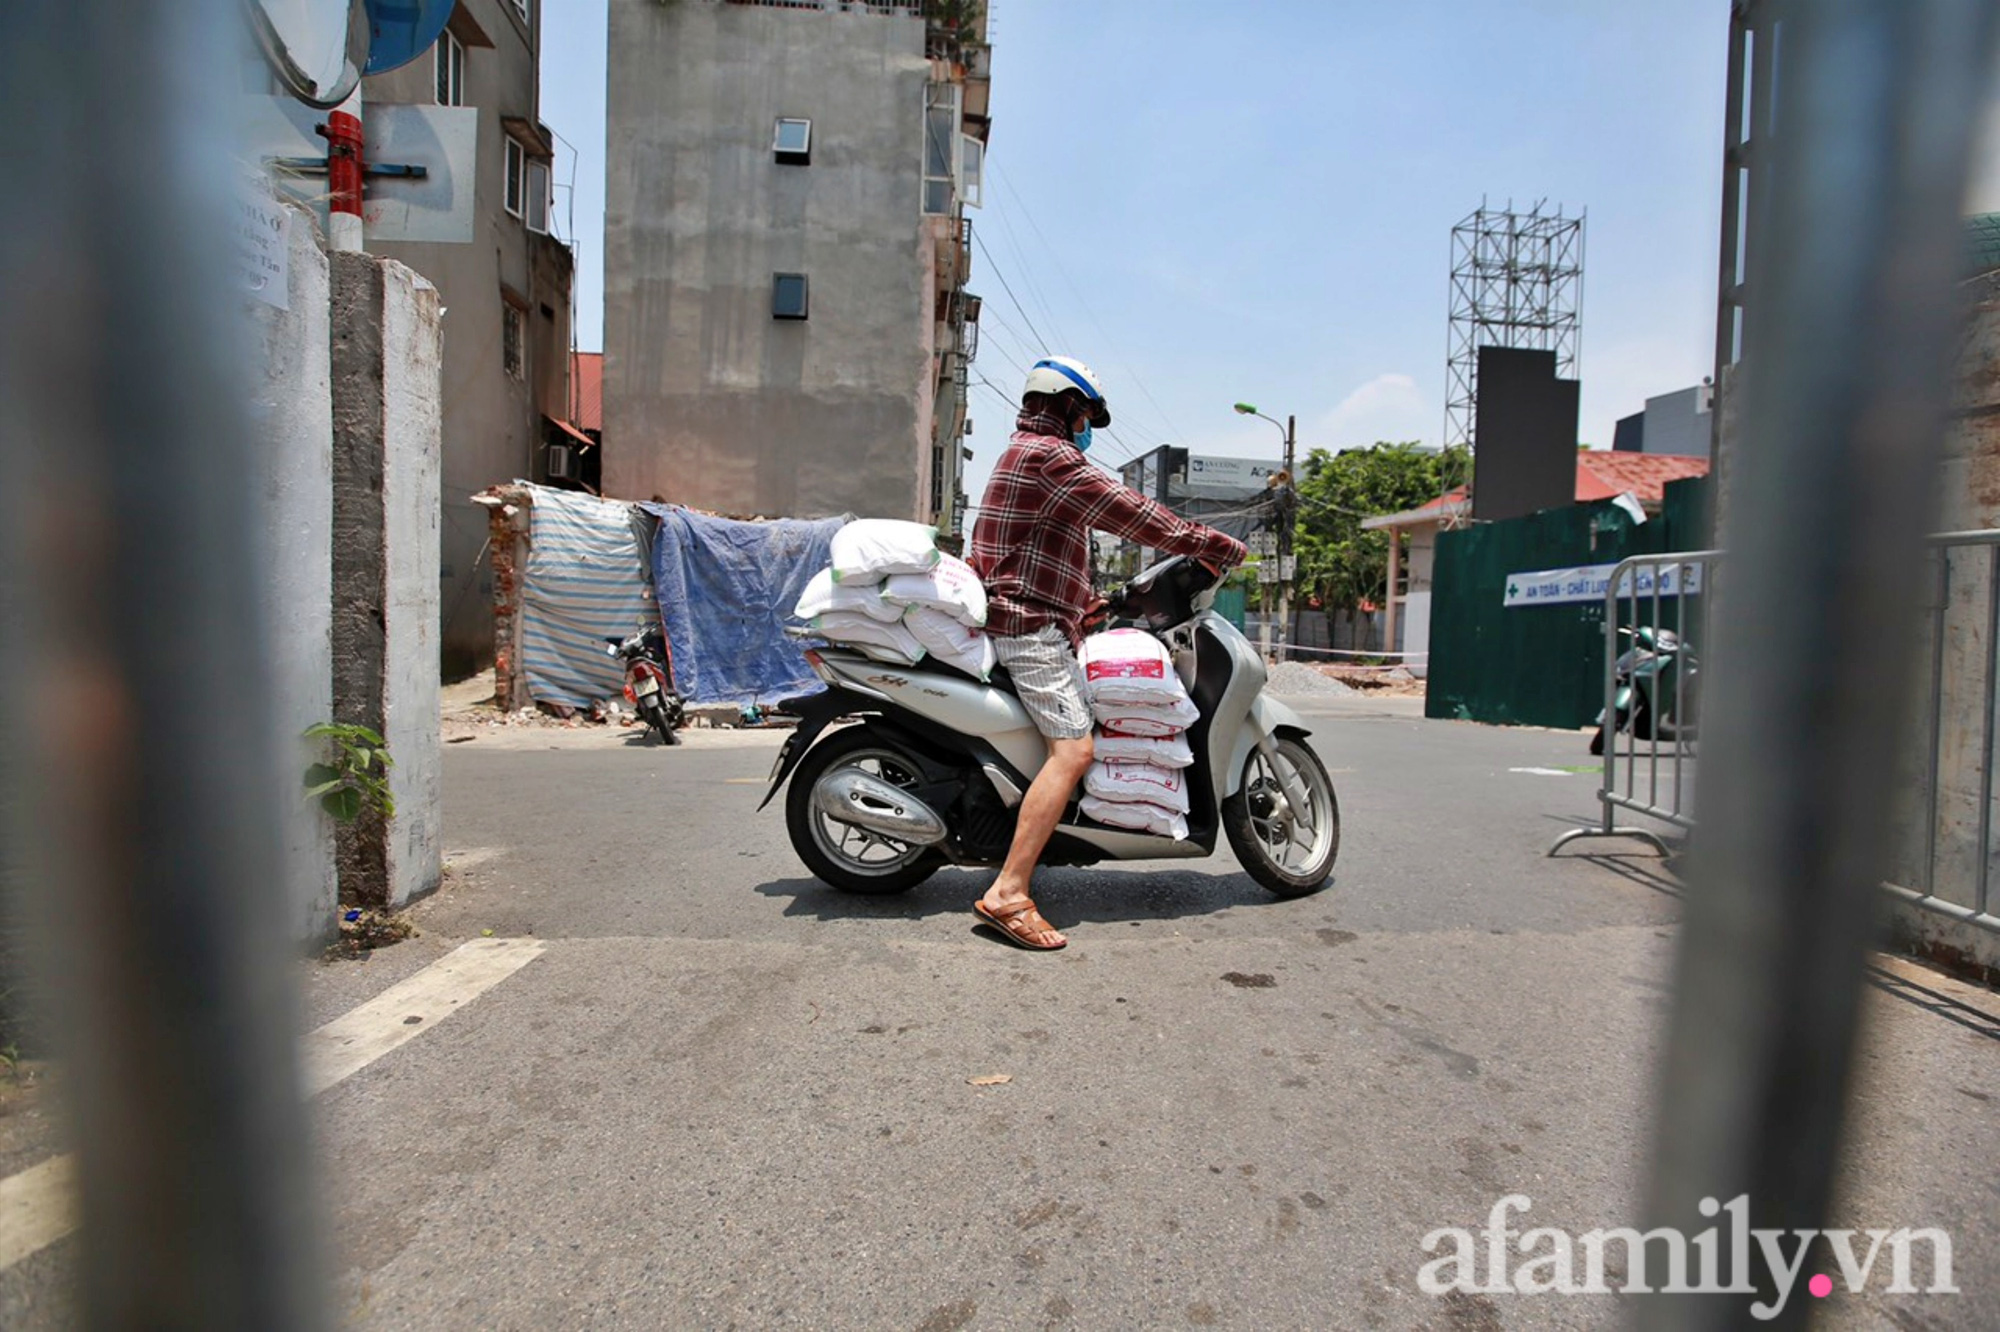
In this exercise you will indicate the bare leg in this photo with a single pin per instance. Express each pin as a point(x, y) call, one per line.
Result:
point(1041, 808)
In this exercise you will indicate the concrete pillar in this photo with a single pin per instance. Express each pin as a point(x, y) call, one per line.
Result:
point(292, 408)
point(1389, 600)
point(1960, 664)
point(387, 363)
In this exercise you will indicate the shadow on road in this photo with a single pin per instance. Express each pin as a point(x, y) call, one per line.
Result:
point(1066, 896)
point(1932, 1001)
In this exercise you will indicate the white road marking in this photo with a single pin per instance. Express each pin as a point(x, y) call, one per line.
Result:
point(1543, 772)
point(38, 1206)
point(355, 1040)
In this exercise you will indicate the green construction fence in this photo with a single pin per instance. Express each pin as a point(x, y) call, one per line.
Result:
point(1540, 665)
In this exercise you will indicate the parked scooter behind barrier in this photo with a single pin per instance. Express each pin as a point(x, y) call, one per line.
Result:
point(1656, 685)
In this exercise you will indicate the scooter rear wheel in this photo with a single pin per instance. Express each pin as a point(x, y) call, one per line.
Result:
point(1287, 849)
point(852, 859)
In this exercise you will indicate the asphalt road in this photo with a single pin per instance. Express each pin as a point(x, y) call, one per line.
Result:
point(726, 1096)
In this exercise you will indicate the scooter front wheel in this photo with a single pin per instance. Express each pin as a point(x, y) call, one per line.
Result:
point(1288, 847)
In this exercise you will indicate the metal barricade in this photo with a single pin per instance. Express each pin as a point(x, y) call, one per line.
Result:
point(1955, 783)
point(1656, 616)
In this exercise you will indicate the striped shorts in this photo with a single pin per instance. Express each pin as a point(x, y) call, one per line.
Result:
point(1048, 680)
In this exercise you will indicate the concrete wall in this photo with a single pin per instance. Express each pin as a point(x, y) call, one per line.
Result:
point(492, 420)
point(1969, 499)
point(709, 401)
point(293, 412)
point(1679, 423)
point(387, 355)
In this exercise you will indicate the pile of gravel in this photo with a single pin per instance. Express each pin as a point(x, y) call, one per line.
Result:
point(1295, 677)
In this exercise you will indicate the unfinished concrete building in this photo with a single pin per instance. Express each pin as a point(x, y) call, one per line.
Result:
point(786, 329)
point(506, 288)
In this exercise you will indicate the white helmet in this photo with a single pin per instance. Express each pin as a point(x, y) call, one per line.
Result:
point(1062, 374)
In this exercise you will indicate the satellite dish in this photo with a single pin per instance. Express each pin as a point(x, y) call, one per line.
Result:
point(402, 30)
point(317, 48)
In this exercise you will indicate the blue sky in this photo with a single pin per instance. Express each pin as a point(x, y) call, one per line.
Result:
point(1254, 201)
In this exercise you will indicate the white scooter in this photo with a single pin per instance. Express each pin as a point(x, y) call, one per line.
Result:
point(935, 766)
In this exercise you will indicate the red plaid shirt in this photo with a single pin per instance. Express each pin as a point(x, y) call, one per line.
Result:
point(1031, 544)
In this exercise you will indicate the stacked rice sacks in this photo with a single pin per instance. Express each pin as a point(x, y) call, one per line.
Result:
point(1139, 777)
point(892, 594)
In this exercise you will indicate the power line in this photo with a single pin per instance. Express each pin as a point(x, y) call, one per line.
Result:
point(1005, 286)
point(1055, 258)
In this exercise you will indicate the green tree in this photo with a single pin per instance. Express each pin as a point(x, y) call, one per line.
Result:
point(1338, 562)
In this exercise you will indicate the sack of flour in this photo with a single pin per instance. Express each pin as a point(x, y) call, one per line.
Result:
point(949, 586)
point(1128, 666)
point(1169, 751)
point(955, 644)
point(868, 550)
point(1137, 817)
point(1140, 782)
point(874, 637)
point(823, 595)
point(1147, 719)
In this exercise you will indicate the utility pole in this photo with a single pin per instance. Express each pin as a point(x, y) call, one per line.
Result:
point(1282, 519)
point(1288, 512)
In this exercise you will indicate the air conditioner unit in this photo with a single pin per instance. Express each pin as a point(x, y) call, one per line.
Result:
point(562, 463)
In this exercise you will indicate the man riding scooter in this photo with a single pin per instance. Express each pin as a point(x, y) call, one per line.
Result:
point(1031, 548)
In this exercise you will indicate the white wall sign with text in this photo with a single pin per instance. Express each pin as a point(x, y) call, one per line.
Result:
point(1550, 587)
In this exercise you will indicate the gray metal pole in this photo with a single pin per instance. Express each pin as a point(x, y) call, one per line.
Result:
point(132, 667)
point(1287, 520)
point(1855, 243)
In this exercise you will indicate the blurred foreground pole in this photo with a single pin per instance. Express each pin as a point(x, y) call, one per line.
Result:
point(1855, 245)
point(136, 787)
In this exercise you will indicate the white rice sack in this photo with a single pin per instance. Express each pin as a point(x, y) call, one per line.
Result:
point(866, 632)
point(949, 586)
point(824, 596)
point(1138, 817)
point(1147, 719)
point(955, 644)
point(868, 550)
point(1140, 782)
point(1169, 751)
point(1128, 666)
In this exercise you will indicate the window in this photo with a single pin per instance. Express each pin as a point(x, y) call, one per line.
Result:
point(510, 341)
point(788, 296)
point(538, 197)
point(941, 150)
point(972, 163)
point(792, 142)
point(450, 56)
point(517, 179)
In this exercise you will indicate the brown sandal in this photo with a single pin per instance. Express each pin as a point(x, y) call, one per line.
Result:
point(1020, 925)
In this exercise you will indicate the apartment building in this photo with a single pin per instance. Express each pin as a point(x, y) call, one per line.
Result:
point(506, 293)
point(787, 325)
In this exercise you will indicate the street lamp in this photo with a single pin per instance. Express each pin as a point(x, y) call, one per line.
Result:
point(1287, 516)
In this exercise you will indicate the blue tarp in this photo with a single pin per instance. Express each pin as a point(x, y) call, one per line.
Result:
point(726, 591)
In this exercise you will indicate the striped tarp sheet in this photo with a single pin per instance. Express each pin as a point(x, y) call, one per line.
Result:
point(585, 581)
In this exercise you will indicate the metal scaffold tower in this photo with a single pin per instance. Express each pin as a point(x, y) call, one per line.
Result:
point(1516, 281)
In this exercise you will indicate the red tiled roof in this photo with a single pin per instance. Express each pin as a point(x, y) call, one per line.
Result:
point(1601, 474)
point(586, 374)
